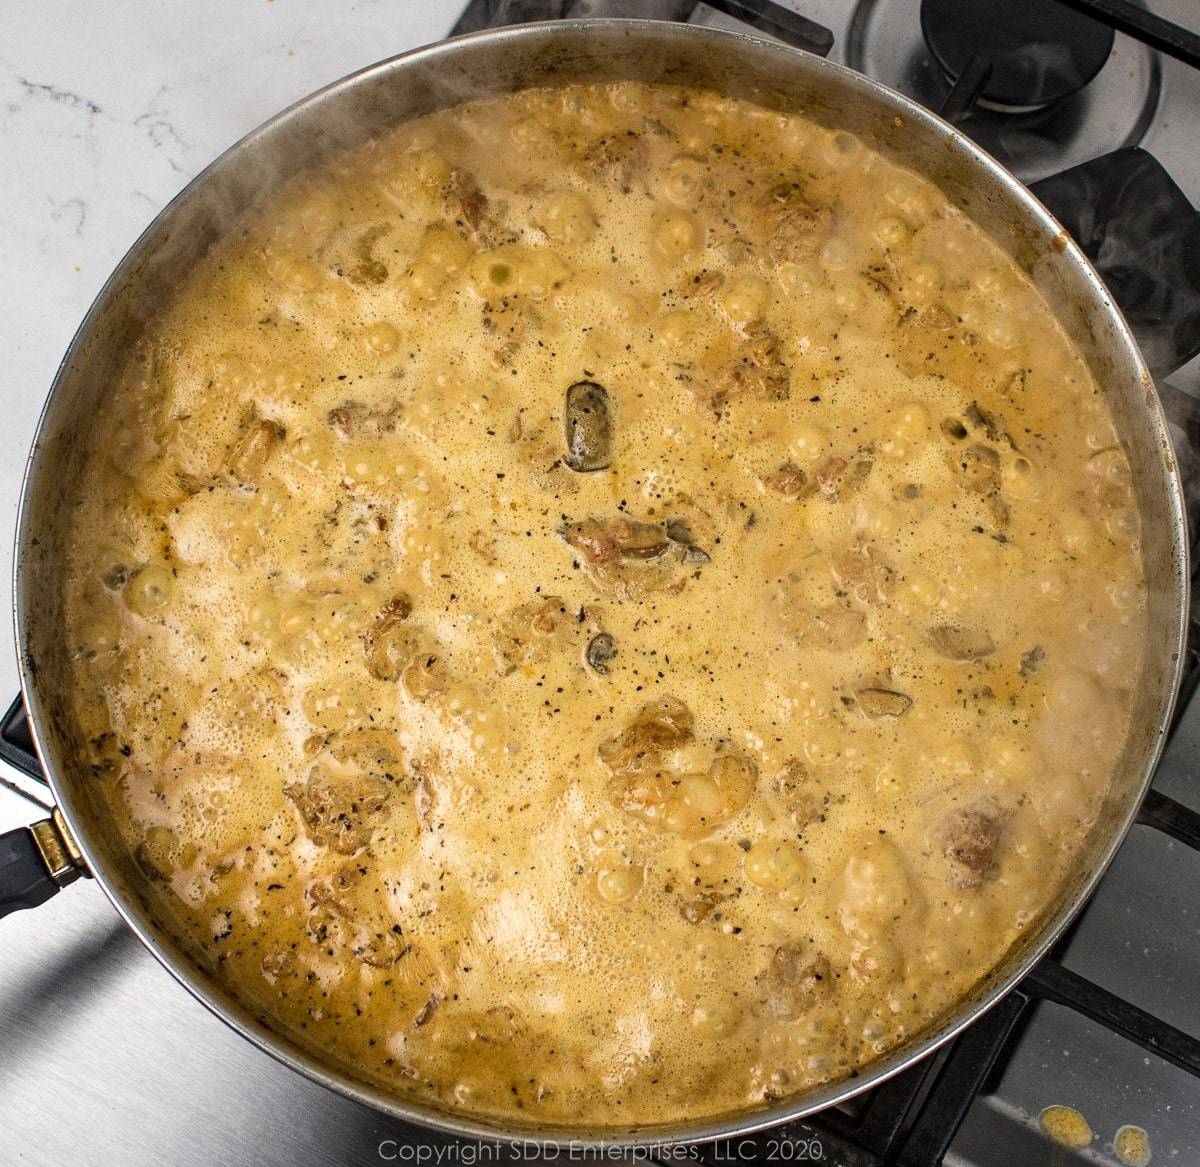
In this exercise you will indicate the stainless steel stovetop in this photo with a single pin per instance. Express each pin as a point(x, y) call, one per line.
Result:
point(103, 1058)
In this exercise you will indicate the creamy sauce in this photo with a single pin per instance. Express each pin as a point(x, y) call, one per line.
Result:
point(653, 753)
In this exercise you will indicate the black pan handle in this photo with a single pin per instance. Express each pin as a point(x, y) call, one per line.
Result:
point(25, 880)
point(1143, 236)
point(35, 862)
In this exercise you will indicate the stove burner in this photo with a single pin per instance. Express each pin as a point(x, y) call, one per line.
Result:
point(1040, 50)
point(1116, 109)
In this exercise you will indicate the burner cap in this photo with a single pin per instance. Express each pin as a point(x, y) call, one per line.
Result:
point(1040, 50)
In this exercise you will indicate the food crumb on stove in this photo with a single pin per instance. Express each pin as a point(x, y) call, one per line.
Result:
point(1065, 1125)
point(1132, 1146)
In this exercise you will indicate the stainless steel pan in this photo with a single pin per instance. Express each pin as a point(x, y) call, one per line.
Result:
point(82, 835)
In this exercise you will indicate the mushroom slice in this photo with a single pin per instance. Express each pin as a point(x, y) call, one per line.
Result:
point(698, 907)
point(601, 651)
point(789, 482)
point(961, 644)
point(601, 541)
point(880, 703)
point(339, 811)
point(587, 421)
point(796, 979)
point(969, 838)
point(679, 532)
point(665, 724)
point(389, 644)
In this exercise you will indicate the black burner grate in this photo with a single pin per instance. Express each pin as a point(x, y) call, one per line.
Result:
point(762, 15)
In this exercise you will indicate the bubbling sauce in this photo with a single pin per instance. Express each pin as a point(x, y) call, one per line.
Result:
point(607, 602)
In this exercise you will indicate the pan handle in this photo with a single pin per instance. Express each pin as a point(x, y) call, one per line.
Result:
point(1143, 236)
point(35, 862)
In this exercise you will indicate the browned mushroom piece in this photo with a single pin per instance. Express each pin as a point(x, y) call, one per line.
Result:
point(339, 811)
point(801, 224)
point(470, 207)
point(789, 482)
point(839, 477)
point(698, 907)
point(979, 467)
point(961, 644)
point(969, 838)
point(629, 558)
point(800, 795)
point(978, 463)
point(588, 428)
point(688, 804)
point(796, 979)
point(601, 541)
point(679, 532)
point(829, 474)
point(601, 652)
point(344, 916)
point(879, 703)
point(863, 572)
point(250, 455)
point(1032, 660)
point(524, 635)
point(389, 643)
point(617, 159)
point(367, 270)
point(758, 372)
point(353, 419)
point(992, 426)
point(665, 724)
point(427, 1010)
point(331, 889)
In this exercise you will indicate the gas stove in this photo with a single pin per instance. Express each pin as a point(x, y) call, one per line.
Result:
point(110, 108)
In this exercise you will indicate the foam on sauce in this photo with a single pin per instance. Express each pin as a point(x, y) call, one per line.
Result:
point(865, 547)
